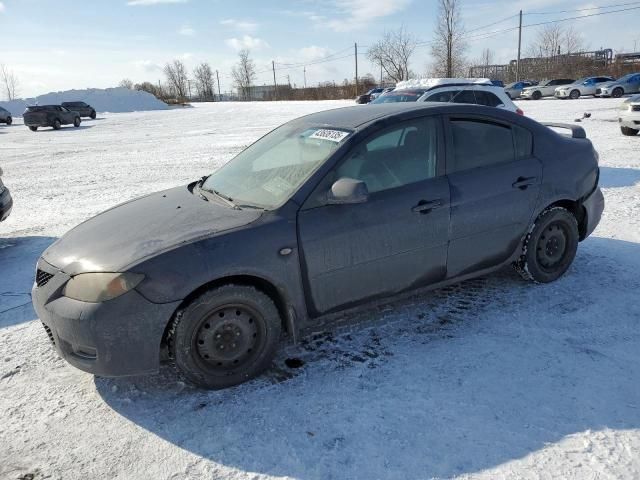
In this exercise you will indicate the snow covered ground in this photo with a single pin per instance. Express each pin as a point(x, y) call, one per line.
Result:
point(495, 378)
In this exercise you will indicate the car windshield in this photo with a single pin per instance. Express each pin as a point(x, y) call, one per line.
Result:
point(270, 171)
point(400, 96)
point(581, 80)
point(545, 83)
point(626, 77)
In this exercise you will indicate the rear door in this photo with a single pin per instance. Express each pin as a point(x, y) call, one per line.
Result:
point(495, 182)
point(394, 241)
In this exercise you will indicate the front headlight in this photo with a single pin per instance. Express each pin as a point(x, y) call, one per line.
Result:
point(100, 287)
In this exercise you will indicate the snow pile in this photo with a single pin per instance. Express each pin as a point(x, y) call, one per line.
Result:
point(103, 100)
point(432, 82)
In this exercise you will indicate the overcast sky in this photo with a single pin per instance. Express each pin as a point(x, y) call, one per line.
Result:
point(63, 44)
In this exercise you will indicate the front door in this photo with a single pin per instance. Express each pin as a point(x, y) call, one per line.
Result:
point(395, 240)
point(495, 183)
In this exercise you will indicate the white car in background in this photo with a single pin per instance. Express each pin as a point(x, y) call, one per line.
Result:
point(629, 116)
point(546, 88)
point(470, 90)
point(583, 86)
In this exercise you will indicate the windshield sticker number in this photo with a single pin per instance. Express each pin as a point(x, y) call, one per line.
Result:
point(332, 135)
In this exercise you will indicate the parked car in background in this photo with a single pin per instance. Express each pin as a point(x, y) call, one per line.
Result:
point(629, 116)
point(367, 97)
point(375, 95)
point(329, 211)
point(5, 116)
point(546, 88)
point(49, 116)
point(514, 89)
point(474, 93)
point(497, 83)
point(583, 86)
point(401, 95)
point(627, 84)
point(84, 109)
point(6, 202)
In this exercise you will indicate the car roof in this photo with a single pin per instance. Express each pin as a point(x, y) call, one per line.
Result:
point(361, 115)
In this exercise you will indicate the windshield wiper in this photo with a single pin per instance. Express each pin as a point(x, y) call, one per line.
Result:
point(205, 192)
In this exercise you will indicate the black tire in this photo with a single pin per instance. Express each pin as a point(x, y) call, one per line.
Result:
point(574, 95)
point(536, 95)
point(93, 115)
point(9, 120)
point(617, 92)
point(550, 246)
point(57, 125)
point(225, 336)
point(629, 132)
point(33, 129)
point(76, 122)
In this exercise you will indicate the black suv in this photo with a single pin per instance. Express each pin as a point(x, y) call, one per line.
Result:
point(84, 109)
point(50, 116)
point(5, 116)
point(6, 202)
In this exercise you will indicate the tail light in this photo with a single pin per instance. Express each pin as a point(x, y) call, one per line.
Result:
point(519, 111)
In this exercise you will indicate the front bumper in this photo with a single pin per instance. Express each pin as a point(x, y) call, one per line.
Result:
point(630, 121)
point(114, 338)
point(6, 204)
point(594, 206)
point(564, 94)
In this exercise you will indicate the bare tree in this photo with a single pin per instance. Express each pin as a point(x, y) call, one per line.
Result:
point(244, 73)
point(572, 41)
point(393, 53)
point(9, 82)
point(126, 83)
point(448, 46)
point(203, 76)
point(548, 42)
point(177, 79)
point(487, 57)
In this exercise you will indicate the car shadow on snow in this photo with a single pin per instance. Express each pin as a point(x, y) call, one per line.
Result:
point(66, 128)
point(18, 257)
point(611, 177)
point(451, 382)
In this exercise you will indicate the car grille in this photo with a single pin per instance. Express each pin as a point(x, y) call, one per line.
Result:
point(49, 333)
point(635, 108)
point(42, 278)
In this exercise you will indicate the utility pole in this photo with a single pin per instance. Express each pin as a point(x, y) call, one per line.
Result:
point(355, 45)
point(275, 85)
point(519, 45)
point(304, 72)
point(218, 78)
point(380, 73)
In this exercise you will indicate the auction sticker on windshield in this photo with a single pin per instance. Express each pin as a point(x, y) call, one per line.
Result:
point(332, 135)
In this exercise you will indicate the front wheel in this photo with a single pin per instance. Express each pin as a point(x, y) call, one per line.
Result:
point(33, 129)
point(93, 115)
point(550, 246)
point(536, 95)
point(57, 125)
point(574, 95)
point(9, 120)
point(76, 122)
point(629, 132)
point(225, 336)
point(617, 92)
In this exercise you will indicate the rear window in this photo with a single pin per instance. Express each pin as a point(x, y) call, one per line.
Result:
point(37, 109)
point(524, 142)
point(399, 96)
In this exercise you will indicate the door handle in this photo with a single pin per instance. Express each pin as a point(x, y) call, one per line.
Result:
point(523, 182)
point(424, 207)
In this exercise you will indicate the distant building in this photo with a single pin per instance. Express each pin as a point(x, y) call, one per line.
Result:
point(267, 92)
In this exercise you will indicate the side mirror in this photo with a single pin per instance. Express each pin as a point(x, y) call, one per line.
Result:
point(346, 191)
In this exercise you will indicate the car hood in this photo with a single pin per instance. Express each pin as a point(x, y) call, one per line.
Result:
point(607, 84)
point(141, 228)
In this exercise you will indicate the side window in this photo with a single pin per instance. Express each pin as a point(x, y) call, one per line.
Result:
point(442, 96)
point(488, 99)
point(478, 143)
point(412, 158)
point(465, 96)
point(524, 142)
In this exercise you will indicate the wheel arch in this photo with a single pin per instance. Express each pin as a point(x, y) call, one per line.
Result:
point(286, 311)
point(577, 210)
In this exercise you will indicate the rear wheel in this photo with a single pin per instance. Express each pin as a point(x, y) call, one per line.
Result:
point(76, 122)
point(33, 129)
point(226, 336)
point(574, 95)
point(550, 246)
point(93, 115)
point(617, 92)
point(9, 120)
point(629, 132)
point(57, 125)
point(536, 95)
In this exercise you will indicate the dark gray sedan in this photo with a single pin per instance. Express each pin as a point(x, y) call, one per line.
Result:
point(83, 109)
point(326, 212)
point(5, 116)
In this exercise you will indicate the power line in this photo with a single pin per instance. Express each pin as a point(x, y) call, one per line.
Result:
point(583, 9)
point(494, 23)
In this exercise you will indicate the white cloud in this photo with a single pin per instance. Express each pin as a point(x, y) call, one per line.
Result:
point(146, 3)
point(313, 53)
point(187, 31)
point(1, 7)
point(148, 65)
point(356, 14)
point(247, 41)
point(240, 24)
